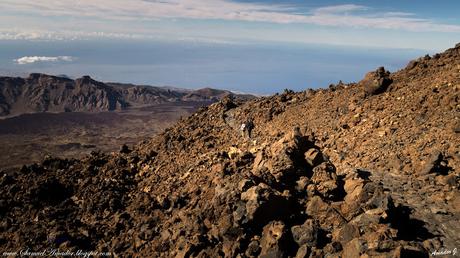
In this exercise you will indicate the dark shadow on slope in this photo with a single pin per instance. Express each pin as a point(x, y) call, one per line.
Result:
point(409, 229)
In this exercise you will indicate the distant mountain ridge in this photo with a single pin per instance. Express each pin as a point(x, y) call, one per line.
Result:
point(46, 93)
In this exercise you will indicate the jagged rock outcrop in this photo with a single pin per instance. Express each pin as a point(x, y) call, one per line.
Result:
point(376, 82)
point(238, 212)
point(40, 93)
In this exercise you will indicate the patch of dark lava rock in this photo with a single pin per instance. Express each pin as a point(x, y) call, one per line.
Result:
point(65, 203)
point(287, 200)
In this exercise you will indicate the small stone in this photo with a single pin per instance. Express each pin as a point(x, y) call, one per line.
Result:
point(234, 152)
point(332, 248)
point(345, 233)
point(382, 133)
point(438, 210)
point(327, 216)
point(456, 127)
point(432, 244)
point(301, 184)
point(253, 249)
point(125, 149)
point(354, 248)
point(303, 252)
point(307, 233)
point(450, 180)
point(218, 169)
point(409, 251)
point(245, 184)
point(435, 164)
point(325, 179)
point(313, 157)
point(274, 241)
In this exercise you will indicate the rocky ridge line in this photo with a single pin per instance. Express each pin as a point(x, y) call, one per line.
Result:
point(45, 93)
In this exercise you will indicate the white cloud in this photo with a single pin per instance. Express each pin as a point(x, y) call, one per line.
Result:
point(400, 14)
point(82, 35)
point(37, 59)
point(44, 35)
point(140, 12)
point(340, 9)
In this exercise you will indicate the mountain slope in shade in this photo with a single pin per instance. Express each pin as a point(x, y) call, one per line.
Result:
point(368, 169)
point(41, 93)
point(45, 93)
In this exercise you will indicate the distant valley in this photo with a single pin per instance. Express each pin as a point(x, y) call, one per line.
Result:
point(46, 93)
point(49, 115)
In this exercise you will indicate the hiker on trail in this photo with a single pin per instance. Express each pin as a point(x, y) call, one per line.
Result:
point(246, 128)
point(243, 129)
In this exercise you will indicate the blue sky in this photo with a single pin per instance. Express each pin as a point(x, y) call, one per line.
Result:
point(50, 35)
point(398, 24)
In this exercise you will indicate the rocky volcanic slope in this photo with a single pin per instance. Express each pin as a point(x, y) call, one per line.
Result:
point(45, 93)
point(368, 169)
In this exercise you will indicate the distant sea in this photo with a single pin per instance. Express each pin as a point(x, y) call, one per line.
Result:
point(262, 68)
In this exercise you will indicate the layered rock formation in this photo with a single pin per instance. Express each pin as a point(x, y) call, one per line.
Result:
point(40, 93)
point(45, 93)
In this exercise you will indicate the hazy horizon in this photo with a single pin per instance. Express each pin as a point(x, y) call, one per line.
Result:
point(250, 68)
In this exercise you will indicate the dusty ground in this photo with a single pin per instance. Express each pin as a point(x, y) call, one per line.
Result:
point(29, 138)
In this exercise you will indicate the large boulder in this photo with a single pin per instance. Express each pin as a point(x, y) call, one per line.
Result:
point(376, 82)
point(327, 216)
point(325, 179)
point(264, 204)
point(364, 196)
point(284, 159)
